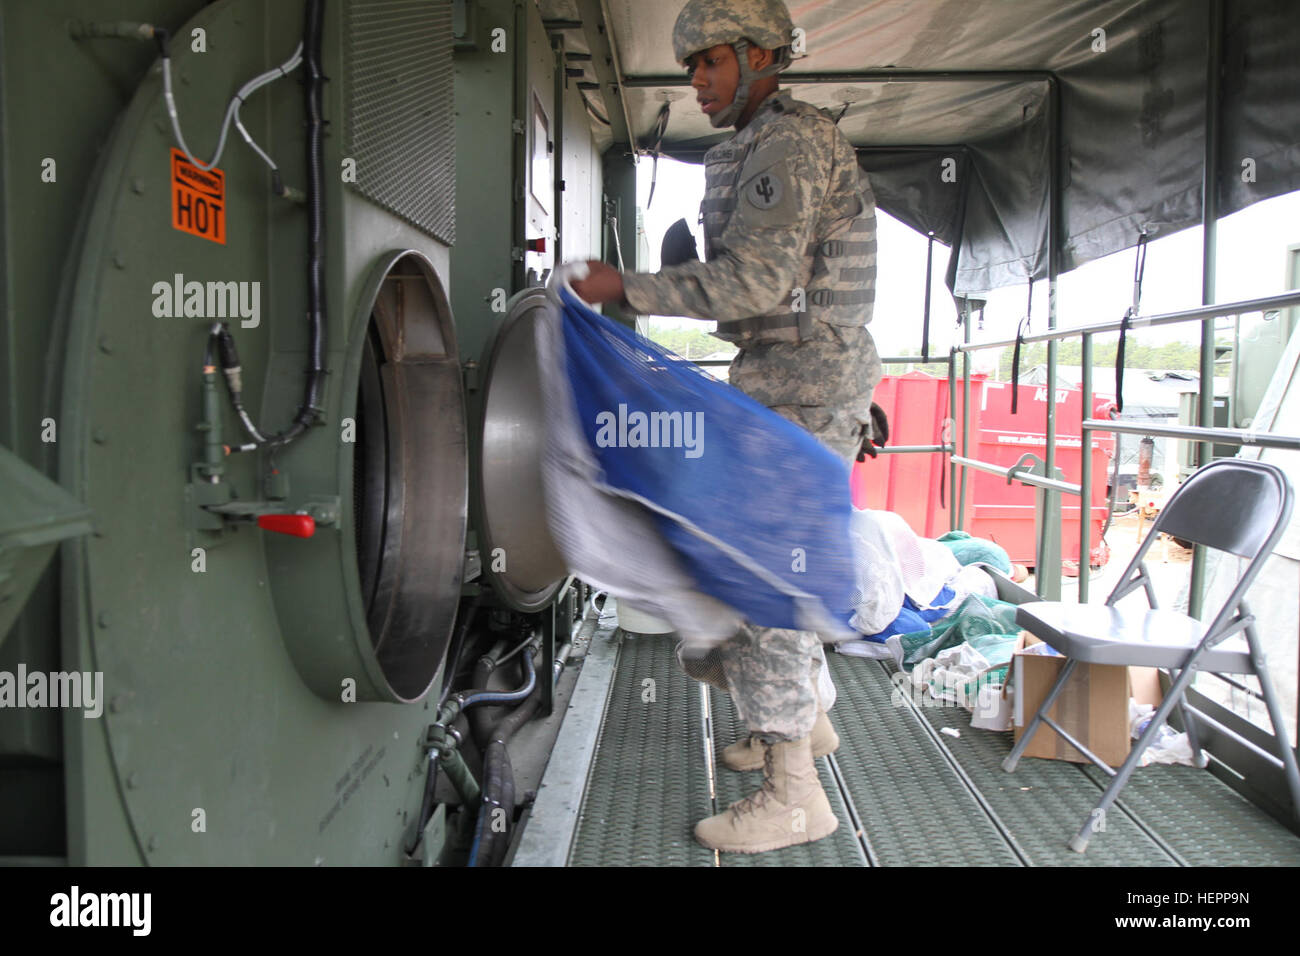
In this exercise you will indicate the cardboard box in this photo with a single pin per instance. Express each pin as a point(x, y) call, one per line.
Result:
point(1093, 707)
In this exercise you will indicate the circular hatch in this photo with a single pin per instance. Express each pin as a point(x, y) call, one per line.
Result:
point(519, 557)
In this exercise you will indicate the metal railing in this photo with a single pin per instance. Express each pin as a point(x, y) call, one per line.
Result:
point(1237, 742)
point(1203, 435)
point(1047, 547)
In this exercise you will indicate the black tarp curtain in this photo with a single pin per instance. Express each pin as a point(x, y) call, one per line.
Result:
point(1132, 118)
point(1131, 156)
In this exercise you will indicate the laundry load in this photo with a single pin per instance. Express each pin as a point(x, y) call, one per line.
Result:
point(679, 494)
point(906, 583)
point(968, 550)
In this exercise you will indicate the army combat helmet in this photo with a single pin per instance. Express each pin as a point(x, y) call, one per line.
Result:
point(708, 23)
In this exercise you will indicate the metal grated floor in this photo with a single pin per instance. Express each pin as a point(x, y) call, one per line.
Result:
point(919, 796)
point(648, 782)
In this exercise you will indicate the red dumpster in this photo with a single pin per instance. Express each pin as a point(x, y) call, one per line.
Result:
point(913, 484)
point(1005, 513)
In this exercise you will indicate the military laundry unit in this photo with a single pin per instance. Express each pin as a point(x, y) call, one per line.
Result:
point(276, 580)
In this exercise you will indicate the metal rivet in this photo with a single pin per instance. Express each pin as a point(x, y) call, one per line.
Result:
point(99, 436)
point(117, 704)
point(137, 185)
point(119, 260)
point(153, 844)
point(133, 781)
point(103, 619)
point(105, 345)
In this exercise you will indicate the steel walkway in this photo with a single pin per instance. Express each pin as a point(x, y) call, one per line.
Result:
point(627, 792)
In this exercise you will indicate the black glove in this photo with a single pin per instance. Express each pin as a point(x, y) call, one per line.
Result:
point(678, 245)
point(875, 434)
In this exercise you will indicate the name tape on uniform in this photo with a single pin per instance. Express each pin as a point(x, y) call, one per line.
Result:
point(198, 199)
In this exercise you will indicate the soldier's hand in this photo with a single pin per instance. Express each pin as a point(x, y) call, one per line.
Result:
point(874, 435)
point(604, 283)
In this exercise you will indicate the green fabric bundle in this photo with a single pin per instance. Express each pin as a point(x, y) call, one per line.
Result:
point(968, 550)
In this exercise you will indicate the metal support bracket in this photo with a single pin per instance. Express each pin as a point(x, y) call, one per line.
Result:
point(1027, 462)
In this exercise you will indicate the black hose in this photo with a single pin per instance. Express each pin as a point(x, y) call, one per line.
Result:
point(309, 411)
point(483, 719)
point(449, 675)
point(498, 794)
point(313, 32)
point(497, 803)
point(483, 695)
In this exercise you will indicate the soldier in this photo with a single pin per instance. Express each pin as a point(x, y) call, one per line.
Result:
point(789, 276)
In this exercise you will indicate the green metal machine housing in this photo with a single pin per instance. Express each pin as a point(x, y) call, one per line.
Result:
point(265, 696)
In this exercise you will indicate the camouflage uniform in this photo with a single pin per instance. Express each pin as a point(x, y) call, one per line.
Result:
point(790, 247)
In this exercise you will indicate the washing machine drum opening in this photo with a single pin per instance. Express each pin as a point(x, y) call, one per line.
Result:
point(409, 480)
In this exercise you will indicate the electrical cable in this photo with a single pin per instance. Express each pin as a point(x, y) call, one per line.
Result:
point(612, 221)
point(528, 640)
point(309, 52)
point(232, 109)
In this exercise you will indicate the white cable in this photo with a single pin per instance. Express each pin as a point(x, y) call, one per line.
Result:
point(618, 246)
point(249, 140)
point(232, 110)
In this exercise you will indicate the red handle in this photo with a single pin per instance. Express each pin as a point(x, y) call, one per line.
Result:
point(300, 526)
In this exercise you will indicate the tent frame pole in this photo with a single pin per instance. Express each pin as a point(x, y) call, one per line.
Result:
point(1209, 248)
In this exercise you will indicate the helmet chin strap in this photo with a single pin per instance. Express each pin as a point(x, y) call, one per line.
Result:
point(729, 115)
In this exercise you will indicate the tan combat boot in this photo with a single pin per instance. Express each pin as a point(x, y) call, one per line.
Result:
point(747, 754)
point(791, 807)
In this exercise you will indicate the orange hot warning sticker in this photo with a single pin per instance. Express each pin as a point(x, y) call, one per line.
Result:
point(198, 199)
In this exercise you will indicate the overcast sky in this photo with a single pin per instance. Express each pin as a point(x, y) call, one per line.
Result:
point(1251, 263)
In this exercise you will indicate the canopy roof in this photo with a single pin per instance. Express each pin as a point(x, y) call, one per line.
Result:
point(978, 82)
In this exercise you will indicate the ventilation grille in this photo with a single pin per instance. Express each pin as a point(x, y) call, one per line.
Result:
point(400, 126)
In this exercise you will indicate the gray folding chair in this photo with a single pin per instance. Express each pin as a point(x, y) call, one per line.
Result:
point(1238, 506)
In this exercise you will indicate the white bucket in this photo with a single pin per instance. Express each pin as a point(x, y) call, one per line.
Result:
point(638, 622)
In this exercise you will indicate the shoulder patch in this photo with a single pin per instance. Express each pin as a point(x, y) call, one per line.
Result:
point(765, 190)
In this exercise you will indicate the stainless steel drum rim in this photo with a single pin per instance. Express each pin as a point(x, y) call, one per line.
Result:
point(518, 554)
